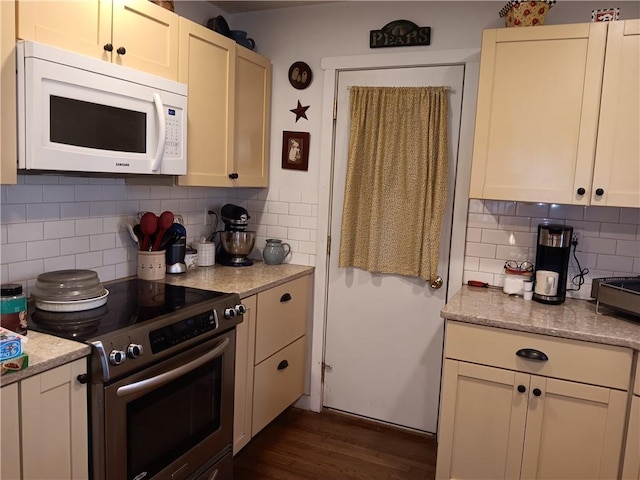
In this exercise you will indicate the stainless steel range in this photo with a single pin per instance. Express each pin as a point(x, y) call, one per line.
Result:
point(161, 379)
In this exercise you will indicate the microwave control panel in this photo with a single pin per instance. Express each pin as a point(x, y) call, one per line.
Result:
point(174, 131)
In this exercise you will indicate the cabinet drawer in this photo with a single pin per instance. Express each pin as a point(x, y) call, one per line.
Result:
point(278, 384)
point(282, 316)
point(574, 360)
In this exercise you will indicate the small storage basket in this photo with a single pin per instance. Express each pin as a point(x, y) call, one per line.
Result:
point(525, 14)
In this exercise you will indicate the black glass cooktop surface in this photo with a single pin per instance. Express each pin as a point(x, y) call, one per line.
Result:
point(129, 302)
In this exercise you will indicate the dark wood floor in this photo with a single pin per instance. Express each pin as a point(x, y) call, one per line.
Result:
point(301, 445)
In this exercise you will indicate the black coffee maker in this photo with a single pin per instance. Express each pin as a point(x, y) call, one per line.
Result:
point(552, 263)
point(236, 242)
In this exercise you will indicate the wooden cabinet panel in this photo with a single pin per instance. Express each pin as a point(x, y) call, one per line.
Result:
point(10, 434)
point(617, 165)
point(252, 119)
point(147, 32)
point(574, 360)
point(537, 112)
point(278, 384)
point(243, 395)
point(207, 66)
point(55, 431)
point(631, 465)
point(8, 133)
point(573, 430)
point(283, 316)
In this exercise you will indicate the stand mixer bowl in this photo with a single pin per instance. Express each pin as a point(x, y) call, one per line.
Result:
point(237, 244)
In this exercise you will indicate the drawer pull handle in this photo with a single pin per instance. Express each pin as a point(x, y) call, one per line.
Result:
point(283, 364)
point(285, 298)
point(532, 354)
point(537, 392)
point(522, 388)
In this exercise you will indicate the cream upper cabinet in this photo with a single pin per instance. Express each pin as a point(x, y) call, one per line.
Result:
point(617, 165)
point(538, 113)
point(503, 416)
point(229, 109)
point(252, 117)
point(8, 134)
point(133, 33)
point(207, 66)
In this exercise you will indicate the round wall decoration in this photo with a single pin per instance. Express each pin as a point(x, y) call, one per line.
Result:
point(300, 75)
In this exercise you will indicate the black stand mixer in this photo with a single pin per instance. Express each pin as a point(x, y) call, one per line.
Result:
point(236, 242)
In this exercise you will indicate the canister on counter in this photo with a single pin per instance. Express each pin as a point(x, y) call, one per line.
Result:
point(13, 308)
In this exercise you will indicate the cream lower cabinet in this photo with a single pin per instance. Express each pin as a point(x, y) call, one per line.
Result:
point(547, 97)
point(271, 358)
point(10, 468)
point(631, 464)
point(503, 416)
point(229, 109)
point(134, 33)
point(52, 436)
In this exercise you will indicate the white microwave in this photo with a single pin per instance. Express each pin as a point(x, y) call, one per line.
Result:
point(80, 114)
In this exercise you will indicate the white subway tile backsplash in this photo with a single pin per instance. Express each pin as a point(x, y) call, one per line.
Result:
point(474, 234)
point(13, 213)
point(88, 193)
point(586, 229)
point(73, 180)
point(280, 208)
point(310, 223)
point(75, 210)
point(24, 194)
point(472, 263)
point(43, 249)
point(102, 209)
point(74, 245)
point(89, 260)
point(629, 215)
point(42, 211)
point(499, 237)
point(138, 192)
point(288, 220)
point(566, 212)
point(277, 232)
point(25, 232)
point(115, 255)
point(496, 207)
point(114, 192)
point(485, 250)
point(301, 209)
point(14, 252)
point(491, 265)
point(479, 220)
point(512, 252)
point(58, 193)
point(628, 248)
point(537, 210)
point(601, 214)
point(616, 263)
point(101, 242)
point(66, 262)
point(522, 224)
point(22, 271)
point(618, 231)
point(3, 235)
point(90, 226)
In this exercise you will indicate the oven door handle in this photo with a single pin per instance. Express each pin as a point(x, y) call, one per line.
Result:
point(154, 382)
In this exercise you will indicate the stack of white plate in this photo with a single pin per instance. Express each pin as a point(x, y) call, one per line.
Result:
point(69, 291)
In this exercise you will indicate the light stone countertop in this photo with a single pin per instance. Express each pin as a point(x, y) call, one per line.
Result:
point(575, 319)
point(46, 352)
point(245, 281)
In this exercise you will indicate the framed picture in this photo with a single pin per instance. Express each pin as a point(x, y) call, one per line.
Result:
point(295, 150)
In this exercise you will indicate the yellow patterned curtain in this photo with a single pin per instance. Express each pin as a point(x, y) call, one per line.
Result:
point(396, 185)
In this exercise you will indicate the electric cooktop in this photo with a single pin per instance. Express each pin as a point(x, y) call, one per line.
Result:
point(130, 302)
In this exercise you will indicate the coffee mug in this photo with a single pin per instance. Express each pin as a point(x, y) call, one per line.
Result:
point(546, 283)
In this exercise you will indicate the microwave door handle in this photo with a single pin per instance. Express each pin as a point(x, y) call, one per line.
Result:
point(162, 132)
point(159, 380)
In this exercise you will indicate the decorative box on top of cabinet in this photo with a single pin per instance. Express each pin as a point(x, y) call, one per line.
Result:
point(45, 427)
point(229, 109)
point(505, 415)
point(135, 33)
point(631, 463)
point(558, 115)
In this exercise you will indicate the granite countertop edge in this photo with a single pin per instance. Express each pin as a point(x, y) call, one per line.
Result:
point(47, 351)
point(574, 319)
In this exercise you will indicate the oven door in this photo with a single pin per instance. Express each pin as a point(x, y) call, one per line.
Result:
point(170, 419)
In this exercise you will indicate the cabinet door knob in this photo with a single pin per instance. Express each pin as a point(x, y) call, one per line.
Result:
point(283, 364)
point(83, 378)
point(522, 388)
point(532, 354)
point(285, 298)
point(599, 192)
point(581, 191)
point(537, 392)
point(108, 47)
point(121, 50)
point(233, 176)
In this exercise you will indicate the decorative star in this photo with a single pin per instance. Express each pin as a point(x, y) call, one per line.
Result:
point(300, 111)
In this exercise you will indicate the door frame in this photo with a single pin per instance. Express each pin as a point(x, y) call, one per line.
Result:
point(331, 66)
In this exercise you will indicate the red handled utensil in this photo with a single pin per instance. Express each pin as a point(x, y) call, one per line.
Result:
point(165, 222)
point(148, 226)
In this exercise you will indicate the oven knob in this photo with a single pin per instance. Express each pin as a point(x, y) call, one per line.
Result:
point(116, 357)
point(134, 350)
point(229, 312)
point(241, 309)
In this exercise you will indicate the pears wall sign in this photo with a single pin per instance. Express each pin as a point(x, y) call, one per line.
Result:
point(400, 33)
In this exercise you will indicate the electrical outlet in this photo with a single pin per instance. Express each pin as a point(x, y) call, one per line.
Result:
point(207, 218)
point(576, 237)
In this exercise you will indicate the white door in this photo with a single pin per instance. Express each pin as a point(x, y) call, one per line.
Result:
point(384, 333)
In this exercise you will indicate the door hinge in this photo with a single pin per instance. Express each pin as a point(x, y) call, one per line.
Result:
point(335, 108)
point(325, 367)
point(328, 244)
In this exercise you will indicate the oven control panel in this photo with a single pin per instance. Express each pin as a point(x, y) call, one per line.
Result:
point(178, 332)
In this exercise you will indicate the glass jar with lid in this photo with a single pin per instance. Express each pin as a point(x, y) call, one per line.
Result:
point(13, 308)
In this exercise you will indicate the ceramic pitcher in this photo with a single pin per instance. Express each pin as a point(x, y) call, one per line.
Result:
point(275, 251)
